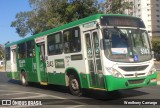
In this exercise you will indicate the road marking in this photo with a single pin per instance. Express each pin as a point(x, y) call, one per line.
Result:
point(29, 97)
point(76, 106)
point(78, 102)
point(43, 95)
point(58, 97)
point(12, 93)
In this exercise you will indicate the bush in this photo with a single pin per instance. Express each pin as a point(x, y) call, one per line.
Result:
point(156, 47)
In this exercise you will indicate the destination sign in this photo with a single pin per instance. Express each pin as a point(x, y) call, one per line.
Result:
point(40, 39)
point(122, 21)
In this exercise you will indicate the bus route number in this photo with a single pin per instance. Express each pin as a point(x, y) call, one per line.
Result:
point(50, 64)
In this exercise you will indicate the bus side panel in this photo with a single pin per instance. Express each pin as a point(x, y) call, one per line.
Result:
point(27, 65)
point(31, 70)
point(84, 80)
point(8, 69)
point(56, 78)
point(11, 75)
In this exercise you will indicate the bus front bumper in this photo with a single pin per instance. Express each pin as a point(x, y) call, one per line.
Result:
point(113, 83)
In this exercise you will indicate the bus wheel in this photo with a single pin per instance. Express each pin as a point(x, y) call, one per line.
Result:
point(23, 79)
point(74, 86)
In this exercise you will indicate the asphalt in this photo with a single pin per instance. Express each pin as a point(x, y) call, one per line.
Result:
point(158, 82)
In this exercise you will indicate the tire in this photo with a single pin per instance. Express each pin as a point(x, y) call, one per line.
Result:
point(23, 79)
point(74, 86)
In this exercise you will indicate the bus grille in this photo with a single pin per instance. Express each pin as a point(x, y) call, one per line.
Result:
point(133, 68)
point(136, 81)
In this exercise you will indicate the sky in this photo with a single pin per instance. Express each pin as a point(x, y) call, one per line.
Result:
point(8, 11)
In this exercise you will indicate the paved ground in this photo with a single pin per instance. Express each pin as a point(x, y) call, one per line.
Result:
point(60, 98)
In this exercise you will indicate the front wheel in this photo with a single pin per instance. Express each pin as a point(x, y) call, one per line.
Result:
point(74, 86)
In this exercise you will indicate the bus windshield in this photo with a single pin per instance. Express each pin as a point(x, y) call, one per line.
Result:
point(126, 45)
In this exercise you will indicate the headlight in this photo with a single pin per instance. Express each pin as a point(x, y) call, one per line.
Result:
point(152, 70)
point(114, 72)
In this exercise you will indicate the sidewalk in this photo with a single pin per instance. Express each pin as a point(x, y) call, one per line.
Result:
point(1, 69)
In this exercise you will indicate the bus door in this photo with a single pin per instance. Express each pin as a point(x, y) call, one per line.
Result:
point(94, 59)
point(13, 61)
point(41, 67)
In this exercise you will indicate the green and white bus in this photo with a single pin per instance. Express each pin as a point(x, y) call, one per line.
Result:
point(102, 52)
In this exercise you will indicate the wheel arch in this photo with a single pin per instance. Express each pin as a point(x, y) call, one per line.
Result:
point(73, 71)
point(22, 71)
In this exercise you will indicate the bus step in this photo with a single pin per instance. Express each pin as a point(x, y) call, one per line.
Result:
point(43, 83)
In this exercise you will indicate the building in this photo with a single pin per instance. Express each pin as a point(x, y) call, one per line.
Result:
point(147, 10)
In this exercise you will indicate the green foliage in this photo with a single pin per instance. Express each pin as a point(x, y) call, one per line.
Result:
point(156, 47)
point(21, 24)
point(47, 14)
point(117, 6)
point(1, 52)
point(77, 9)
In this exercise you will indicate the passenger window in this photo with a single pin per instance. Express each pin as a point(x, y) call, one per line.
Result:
point(22, 50)
point(72, 41)
point(7, 51)
point(55, 44)
point(30, 49)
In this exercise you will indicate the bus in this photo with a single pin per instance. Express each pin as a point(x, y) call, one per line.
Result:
point(107, 52)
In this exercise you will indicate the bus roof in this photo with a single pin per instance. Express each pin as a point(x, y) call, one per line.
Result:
point(65, 26)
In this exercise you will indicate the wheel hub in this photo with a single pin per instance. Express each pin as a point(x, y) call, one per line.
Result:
point(23, 80)
point(74, 84)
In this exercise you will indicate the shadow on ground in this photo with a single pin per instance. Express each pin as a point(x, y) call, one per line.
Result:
point(91, 97)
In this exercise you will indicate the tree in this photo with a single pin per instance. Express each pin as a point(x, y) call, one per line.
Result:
point(47, 14)
point(40, 18)
point(116, 6)
point(77, 9)
point(1, 52)
point(156, 47)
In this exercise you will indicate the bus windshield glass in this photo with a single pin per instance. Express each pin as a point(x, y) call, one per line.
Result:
point(126, 45)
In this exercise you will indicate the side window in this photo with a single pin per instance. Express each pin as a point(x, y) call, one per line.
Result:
point(22, 50)
point(7, 51)
point(55, 44)
point(72, 41)
point(30, 49)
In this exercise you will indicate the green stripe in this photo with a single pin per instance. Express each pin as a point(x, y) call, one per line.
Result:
point(113, 83)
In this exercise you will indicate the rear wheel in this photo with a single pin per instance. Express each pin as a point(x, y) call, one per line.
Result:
point(74, 85)
point(23, 79)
